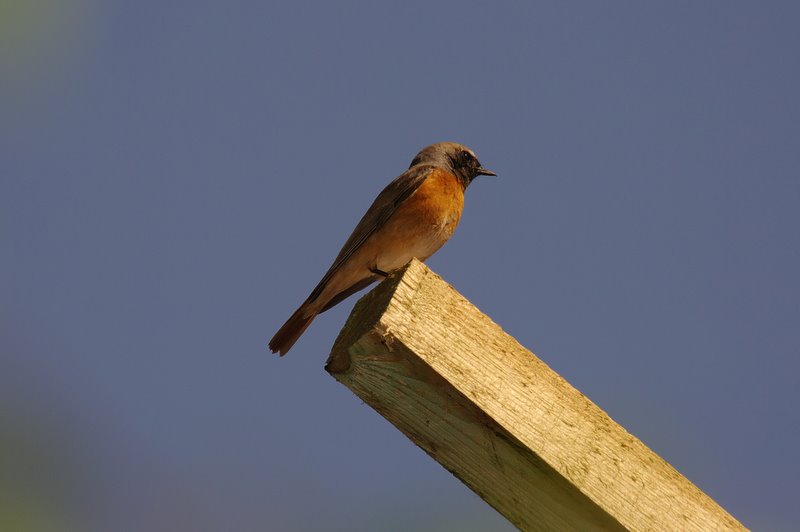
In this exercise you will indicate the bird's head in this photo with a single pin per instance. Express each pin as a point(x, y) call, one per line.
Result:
point(455, 158)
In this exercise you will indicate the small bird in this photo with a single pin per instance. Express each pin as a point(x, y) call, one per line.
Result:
point(411, 218)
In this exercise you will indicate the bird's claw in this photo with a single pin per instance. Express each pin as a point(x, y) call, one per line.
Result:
point(376, 271)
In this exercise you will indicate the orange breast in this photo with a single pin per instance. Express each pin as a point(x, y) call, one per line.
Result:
point(424, 222)
point(438, 202)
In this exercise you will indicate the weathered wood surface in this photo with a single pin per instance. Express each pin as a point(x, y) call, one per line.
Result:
point(501, 420)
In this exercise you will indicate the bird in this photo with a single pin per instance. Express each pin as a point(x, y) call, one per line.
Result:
point(411, 218)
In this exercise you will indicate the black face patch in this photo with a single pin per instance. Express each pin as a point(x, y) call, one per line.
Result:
point(464, 160)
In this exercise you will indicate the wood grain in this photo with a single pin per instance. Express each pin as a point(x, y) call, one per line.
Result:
point(501, 420)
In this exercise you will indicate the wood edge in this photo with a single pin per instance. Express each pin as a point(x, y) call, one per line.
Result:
point(366, 315)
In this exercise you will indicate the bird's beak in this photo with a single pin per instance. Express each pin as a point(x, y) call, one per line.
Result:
point(484, 171)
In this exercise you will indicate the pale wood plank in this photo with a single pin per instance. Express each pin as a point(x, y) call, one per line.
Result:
point(501, 420)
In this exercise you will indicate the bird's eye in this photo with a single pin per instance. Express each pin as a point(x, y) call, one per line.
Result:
point(466, 156)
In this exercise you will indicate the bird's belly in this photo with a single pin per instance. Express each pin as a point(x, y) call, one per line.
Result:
point(421, 246)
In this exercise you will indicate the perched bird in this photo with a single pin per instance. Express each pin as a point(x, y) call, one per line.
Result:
point(411, 218)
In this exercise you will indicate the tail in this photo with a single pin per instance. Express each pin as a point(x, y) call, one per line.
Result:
point(287, 335)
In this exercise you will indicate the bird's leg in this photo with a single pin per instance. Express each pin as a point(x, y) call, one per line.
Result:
point(376, 271)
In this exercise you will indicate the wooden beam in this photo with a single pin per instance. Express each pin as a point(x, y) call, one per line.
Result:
point(501, 420)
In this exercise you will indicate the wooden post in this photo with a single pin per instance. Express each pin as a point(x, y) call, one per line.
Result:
point(501, 420)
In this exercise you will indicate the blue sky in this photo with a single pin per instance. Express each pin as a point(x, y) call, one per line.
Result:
point(175, 178)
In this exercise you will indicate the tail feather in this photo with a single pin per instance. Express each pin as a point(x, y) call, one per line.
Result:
point(298, 322)
point(288, 334)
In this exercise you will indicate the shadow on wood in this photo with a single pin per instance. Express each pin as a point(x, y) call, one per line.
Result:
point(501, 420)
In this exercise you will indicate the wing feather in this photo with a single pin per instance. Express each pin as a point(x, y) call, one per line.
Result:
point(376, 217)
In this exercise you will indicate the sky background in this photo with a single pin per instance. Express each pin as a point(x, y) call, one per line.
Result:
point(175, 178)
